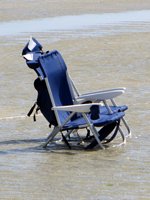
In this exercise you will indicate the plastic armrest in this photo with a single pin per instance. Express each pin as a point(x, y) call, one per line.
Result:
point(80, 108)
point(108, 90)
point(102, 95)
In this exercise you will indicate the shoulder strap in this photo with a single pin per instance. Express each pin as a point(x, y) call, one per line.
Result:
point(36, 108)
point(32, 109)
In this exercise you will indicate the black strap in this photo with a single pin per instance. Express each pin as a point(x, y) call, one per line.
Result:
point(32, 109)
point(88, 136)
point(104, 132)
point(115, 133)
point(65, 140)
point(94, 112)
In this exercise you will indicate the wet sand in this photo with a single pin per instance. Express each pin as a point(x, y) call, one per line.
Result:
point(17, 10)
point(94, 62)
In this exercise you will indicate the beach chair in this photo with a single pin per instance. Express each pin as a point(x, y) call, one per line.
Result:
point(66, 109)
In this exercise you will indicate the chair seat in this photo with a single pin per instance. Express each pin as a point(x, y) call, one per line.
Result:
point(104, 119)
point(114, 109)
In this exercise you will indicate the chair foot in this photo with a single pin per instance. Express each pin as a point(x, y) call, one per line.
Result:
point(118, 145)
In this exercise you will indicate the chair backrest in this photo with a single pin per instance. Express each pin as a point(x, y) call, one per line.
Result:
point(55, 75)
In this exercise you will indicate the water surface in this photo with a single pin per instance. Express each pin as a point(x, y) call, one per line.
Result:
point(79, 22)
point(105, 51)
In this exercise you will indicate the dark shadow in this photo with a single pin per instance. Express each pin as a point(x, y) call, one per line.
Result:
point(8, 142)
point(52, 147)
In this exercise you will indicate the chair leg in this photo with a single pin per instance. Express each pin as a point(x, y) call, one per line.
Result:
point(123, 120)
point(123, 138)
point(51, 136)
point(75, 132)
point(94, 131)
point(127, 127)
point(68, 133)
point(122, 135)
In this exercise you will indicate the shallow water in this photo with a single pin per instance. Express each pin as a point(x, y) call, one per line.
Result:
point(119, 57)
point(88, 22)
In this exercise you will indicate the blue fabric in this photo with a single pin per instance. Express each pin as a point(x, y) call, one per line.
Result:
point(54, 69)
point(103, 109)
point(104, 119)
point(34, 64)
point(38, 47)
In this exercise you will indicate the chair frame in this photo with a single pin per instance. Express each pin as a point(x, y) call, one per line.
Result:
point(78, 107)
point(97, 98)
point(101, 96)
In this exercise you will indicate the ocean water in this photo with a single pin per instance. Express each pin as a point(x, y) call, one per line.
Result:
point(102, 51)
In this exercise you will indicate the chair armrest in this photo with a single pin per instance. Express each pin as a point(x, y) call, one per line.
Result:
point(101, 95)
point(108, 90)
point(80, 108)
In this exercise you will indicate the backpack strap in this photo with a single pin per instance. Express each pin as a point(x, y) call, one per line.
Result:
point(36, 108)
point(114, 134)
point(32, 109)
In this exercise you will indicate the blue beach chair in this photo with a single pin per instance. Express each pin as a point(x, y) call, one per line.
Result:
point(66, 109)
